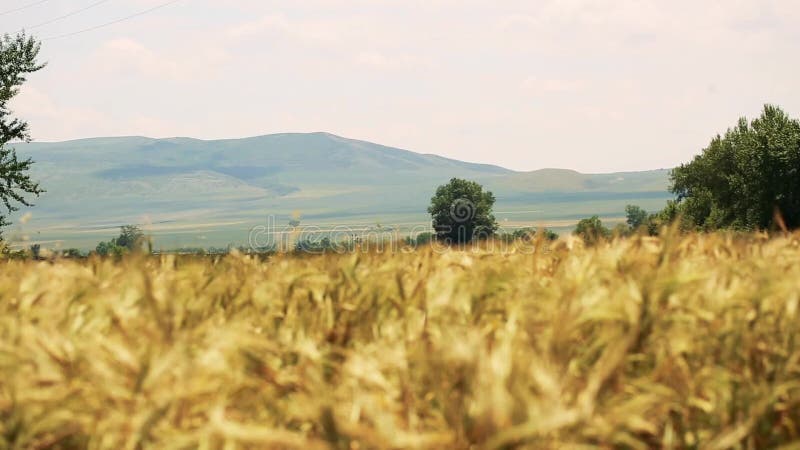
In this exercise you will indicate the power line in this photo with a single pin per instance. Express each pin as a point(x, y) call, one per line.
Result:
point(113, 22)
point(22, 8)
point(68, 14)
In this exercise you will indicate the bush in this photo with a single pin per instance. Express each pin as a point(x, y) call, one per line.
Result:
point(592, 230)
point(420, 239)
point(528, 234)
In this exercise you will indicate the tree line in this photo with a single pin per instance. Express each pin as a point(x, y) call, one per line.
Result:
point(745, 180)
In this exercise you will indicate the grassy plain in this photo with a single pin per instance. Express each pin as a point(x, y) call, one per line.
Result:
point(674, 342)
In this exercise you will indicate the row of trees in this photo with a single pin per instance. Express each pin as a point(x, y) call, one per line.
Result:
point(637, 221)
point(461, 212)
point(748, 179)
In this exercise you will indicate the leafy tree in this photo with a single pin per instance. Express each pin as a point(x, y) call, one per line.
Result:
point(671, 213)
point(130, 239)
point(36, 251)
point(18, 56)
point(420, 239)
point(635, 217)
point(72, 253)
point(528, 234)
point(592, 230)
point(317, 245)
point(109, 248)
point(549, 234)
point(461, 211)
point(743, 178)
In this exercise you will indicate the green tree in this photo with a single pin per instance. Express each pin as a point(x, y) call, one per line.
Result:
point(130, 239)
point(743, 178)
point(592, 230)
point(72, 253)
point(419, 239)
point(109, 248)
point(635, 217)
point(462, 211)
point(18, 55)
point(528, 234)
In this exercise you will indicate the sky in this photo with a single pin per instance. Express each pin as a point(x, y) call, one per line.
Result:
point(596, 86)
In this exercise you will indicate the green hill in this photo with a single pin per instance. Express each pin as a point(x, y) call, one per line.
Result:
point(192, 192)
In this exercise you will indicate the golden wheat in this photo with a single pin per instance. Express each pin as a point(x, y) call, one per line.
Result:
point(677, 342)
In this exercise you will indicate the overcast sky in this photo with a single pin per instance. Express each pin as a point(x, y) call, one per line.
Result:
point(591, 85)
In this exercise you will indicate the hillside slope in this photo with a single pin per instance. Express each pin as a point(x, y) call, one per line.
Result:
point(197, 192)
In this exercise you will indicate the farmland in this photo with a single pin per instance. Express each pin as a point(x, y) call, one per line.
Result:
point(680, 341)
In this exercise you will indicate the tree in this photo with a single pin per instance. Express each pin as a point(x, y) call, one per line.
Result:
point(18, 56)
point(549, 234)
point(462, 211)
point(109, 248)
point(36, 251)
point(130, 239)
point(742, 179)
point(419, 239)
point(636, 217)
point(72, 253)
point(528, 234)
point(592, 230)
point(669, 215)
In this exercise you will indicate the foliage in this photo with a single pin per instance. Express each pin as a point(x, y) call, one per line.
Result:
point(317, 245)
point(528, 233)
point(110, 248)
point(635, 217)
point(669, 342)
point(592, 230)
point(420, 239)
point(18, 56)
point(743, 178)
point(549, 234)
point(36, 251)
point(461, 211)
point(130, 239)
point(72, 253)
point(3, 223)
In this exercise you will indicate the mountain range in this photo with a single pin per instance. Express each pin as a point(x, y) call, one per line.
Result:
point(190, 192)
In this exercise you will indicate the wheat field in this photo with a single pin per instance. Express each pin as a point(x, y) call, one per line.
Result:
point(675, 342)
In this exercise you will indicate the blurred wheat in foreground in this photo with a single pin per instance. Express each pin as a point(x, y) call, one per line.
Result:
point(678, 342)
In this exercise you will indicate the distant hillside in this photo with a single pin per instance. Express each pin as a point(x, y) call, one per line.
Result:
point(212, 192)
point(563, 180)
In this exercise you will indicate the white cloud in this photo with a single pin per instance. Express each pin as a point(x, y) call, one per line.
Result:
point(50, 120)
point(380, 60)
point(125, 55)
point(313, 31)
point(552, 85)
